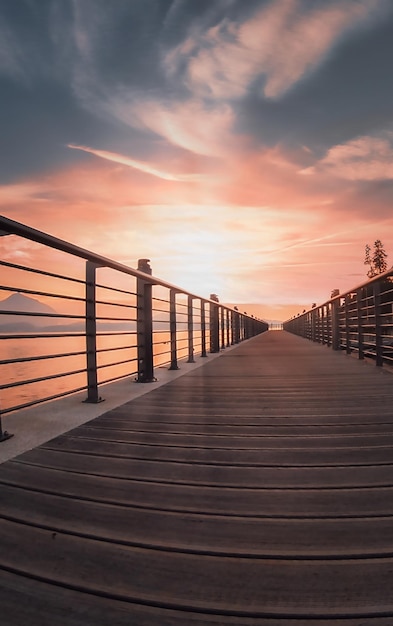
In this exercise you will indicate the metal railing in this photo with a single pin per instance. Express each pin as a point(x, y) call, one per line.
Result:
point(75, 320)
point(358, 321)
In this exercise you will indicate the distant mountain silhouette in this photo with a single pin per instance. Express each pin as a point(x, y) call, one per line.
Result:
point(23, 304)
point(19, 302)
point(17, 322)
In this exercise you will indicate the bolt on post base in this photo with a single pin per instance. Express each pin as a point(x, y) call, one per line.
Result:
point(93, 400)
point(5, 435)
point(141, 379)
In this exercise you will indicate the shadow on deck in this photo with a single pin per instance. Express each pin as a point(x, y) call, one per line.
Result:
point(254, 490)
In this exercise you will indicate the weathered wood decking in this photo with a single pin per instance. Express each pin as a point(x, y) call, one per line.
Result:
point(255, 490)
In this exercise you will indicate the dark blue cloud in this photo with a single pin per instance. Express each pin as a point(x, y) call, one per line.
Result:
point(126, 37)
point(37, 122)
point(349, 95)
point(41, 111)
point(67, 60)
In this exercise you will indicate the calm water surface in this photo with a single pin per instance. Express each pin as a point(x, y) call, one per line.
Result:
point(32, 347)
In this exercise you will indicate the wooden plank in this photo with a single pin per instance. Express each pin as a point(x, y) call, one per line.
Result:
point(219, 499)
point(36, 603)
point(232, 476)
point(253, 587)
point(260, 441)
point(256, 490)
point(202, 533)
point(116, 428)
point(284, 457)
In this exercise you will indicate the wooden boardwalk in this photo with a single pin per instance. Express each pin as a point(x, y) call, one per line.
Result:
point(257, 489)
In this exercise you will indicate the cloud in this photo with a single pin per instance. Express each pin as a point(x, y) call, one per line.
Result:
point(366, 158)
point(206, 237)
point(15, 249)
point(190, 124)
point(140, 165)
point(20, 192)
point(280, 44)
point(11, 54)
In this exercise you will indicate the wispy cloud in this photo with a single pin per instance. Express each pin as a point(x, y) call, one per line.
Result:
point(140, 165)
point(315, 242)
point(199, 172)
point(22, 250)
point(20, 192)
point(365, 158)
point(227, 59)
point(190, 124)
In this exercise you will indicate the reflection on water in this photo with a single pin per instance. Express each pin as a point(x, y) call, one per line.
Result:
point(68, 355)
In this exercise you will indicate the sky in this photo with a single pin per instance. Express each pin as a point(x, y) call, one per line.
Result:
point(244, 146)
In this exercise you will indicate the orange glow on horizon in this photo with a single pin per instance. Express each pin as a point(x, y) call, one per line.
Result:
point(280, 252)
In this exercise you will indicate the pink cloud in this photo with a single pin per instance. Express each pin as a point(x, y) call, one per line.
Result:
point(365, 158)
point(280, 42)
point(139, 165)
point(254, 231)
point(16, 193)
point(255, 178)
point(190, 125)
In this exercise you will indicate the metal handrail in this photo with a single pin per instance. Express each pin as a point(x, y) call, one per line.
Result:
point(191, 327)
point(357, 321)
point(27, 232)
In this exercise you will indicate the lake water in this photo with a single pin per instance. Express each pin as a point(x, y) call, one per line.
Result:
point(114, 351)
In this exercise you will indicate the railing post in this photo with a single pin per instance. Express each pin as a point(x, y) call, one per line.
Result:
point(329, 324)
point(172, 329)
point(4, 435)
point(236, 325)
point(378, 328)
point(320, 324)
point(318, 315)
point(308, 326)
point(242, 327)
point(313, 326)
point(246, 328)
point(335, 325)
point(203, 329)
point(91, 334)
point(228, 333)
point(359, 310)
point(222, 323)
point(347, 335)
point(323, 327)
point(214, 327)
point(144, 325)
point(190, 328)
